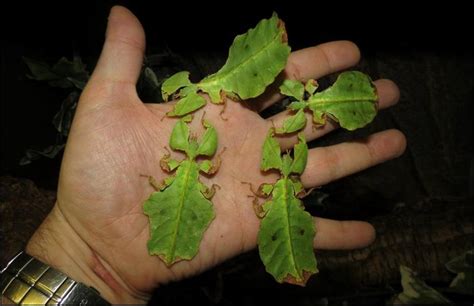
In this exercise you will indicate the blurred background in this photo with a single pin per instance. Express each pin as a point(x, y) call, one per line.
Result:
point(420, 203)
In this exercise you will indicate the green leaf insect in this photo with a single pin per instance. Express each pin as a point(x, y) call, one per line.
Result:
point(285, 239)
point(416, 291)
point(180, 210)
point(351, 101)
point(463, 266)
point(255, 59)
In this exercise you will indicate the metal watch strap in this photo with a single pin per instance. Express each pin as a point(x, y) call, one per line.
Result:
point(26, 280)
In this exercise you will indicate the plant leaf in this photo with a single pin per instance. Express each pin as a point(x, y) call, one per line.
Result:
point(292, 88)
point(255, 59)
point(351, 101)
point(178, 216)
point(271, 158)
point(49, 152)
point(63, 74)
point(416, 291)
point(173, 83)
point(286, 237)
point(293, 123)
point(40, 71)
point(62, 121)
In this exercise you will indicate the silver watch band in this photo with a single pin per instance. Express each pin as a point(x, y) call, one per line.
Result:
point(26, 280)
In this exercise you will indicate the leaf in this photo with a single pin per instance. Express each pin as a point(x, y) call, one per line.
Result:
point(40, 71)
point(351, 101)
point(49, 152)
point(255, 59)
point(464, 267)
point(178, 216)
point(62, 121)
point(149, 87)
point(416, 291)
point(292, 88)
point(186, 105)
point(300, 155)
point(293, 123)
point(271, 158)
point(63, 74)
point(286, 235)
point(180, 213)
point(175, 82)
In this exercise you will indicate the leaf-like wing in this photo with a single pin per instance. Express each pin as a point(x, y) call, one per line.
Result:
point(178, 215)
point(179, 139)
point(186, 105)
point(311, 86)
point(271, 155)
point(208, 141)
point(300, 155)
point(255, 59)
point(293, 123)
point(351, 101)
point(173, 83)
point(292, 88)
point(286, 237)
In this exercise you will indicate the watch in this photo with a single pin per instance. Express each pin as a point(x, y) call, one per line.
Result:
point(26, 280)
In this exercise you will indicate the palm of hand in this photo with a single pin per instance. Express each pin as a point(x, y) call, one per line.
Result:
point(115, 139)
point(101, 193)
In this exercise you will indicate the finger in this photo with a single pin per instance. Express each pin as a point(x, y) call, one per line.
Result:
point(332, 234)
point(387, 91)
point(330, 163)
point(122, 54)
point(311, 63)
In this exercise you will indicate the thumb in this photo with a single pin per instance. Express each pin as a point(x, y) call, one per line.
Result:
point(122, 55)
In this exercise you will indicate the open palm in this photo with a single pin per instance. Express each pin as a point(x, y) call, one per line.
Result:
point(116, 139)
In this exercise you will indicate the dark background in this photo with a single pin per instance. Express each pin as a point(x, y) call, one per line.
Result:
point(425, 50)
point(49, 31)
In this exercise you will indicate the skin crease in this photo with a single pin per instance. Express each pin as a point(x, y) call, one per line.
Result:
point(97, 231)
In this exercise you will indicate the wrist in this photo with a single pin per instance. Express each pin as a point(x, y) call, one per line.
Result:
point(57, 244)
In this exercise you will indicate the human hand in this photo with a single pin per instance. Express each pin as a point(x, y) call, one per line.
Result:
point(97, 231)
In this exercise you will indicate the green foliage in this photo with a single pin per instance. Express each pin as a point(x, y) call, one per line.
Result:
point(351, 101)
point(286, 235)
point(255, 59)
point(180, 210)
point(63, 74)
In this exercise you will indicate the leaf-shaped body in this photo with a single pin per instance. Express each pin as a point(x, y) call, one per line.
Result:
point(255, 59)
point(417, 292)
point(286, 236)
point(351, 101)
point(179, 215)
